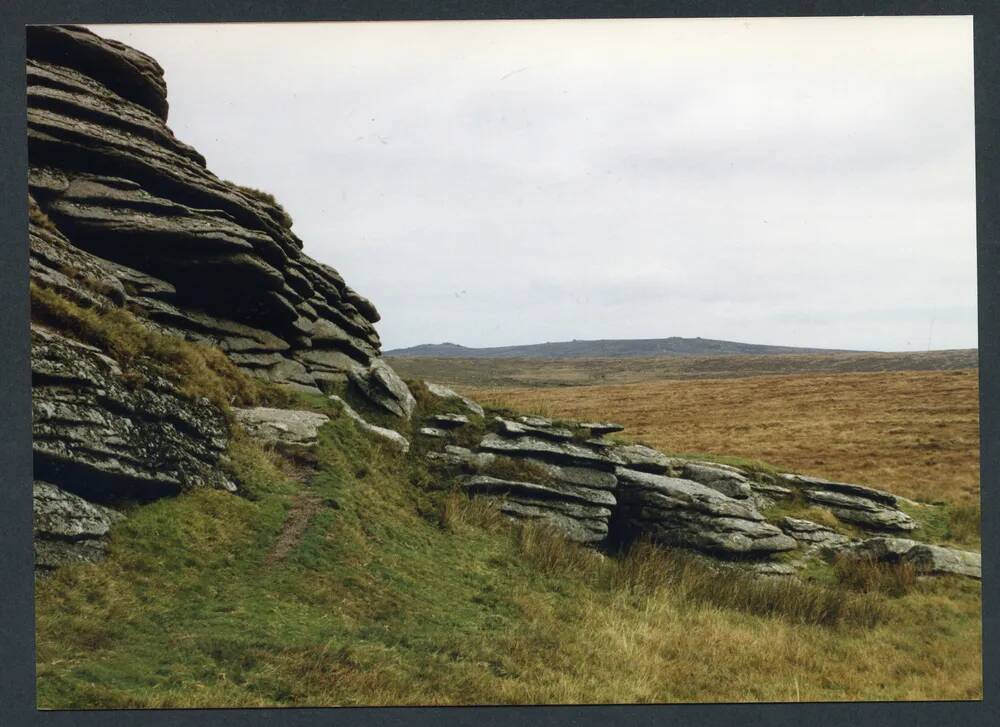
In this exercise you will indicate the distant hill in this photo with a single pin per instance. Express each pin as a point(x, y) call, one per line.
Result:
point(606, 348)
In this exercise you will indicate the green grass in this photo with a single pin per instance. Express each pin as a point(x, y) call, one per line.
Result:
point(401, 593)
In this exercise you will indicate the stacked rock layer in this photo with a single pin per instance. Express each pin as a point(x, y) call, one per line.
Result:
point(125, 215)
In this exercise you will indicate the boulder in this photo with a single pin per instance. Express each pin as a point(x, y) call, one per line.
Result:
point(596, 479)
point(685, 513)
point(553, 491)
point(461, 456)
point(868, 493)
point(283, 426)
point(599, 429)
point(433, 432)
point(647, 459)
point(926, 559)
point(449, 421)
point(806, 531)
point(383, 387)
point(577, 513)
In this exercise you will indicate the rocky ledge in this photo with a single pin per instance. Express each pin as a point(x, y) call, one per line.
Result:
point(606, 493)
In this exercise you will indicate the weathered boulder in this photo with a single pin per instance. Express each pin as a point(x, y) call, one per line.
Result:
point(384, 387)
point(283, 426)
point(449, 421)
point(599, 429)
point(685, 513)
point(393, 438)
point(68, 529)
point(463, 457)
point(868, 493)
point(646, 459)
point(927, 559)
point(433, 432)
point(596, 479)
point(443, 392)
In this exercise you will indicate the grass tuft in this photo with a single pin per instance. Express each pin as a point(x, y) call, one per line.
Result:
point(269, 201)
point(197, 370)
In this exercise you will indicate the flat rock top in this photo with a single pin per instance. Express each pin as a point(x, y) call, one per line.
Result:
point(602, 427)
point(871, 493)
point(520, 429)
point(293, 426)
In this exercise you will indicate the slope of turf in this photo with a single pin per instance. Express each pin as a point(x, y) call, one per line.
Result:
point(399, 591)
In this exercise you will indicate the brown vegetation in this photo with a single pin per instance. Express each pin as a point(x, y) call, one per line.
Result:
point(913, 433)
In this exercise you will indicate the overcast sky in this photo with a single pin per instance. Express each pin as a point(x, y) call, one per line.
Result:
point(786, 181)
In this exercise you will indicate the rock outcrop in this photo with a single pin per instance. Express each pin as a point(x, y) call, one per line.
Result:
point(202, 257)
point(126, 216)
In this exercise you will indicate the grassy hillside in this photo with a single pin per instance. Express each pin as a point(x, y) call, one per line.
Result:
point(913, 433)
point(521, 372)
point(355, 576)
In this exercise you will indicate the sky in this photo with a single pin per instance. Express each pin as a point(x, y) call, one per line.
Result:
point(787, 181)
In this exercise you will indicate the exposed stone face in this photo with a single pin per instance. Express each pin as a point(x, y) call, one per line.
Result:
point(862, 510)
point(392, 437)
point(556, 452)
point(68, 529)
point(682, 512)
point(724, 479)
point(647, 459)
point(926, 559)
point(283, 426)
point(518, 429)
point(101, 439)
point(806, 531)
point(599, 429)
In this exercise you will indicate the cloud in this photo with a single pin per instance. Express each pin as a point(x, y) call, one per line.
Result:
point(790, 181)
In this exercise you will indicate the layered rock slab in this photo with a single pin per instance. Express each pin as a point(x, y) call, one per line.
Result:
point(96, 436)
point(67, 528)
point(680, 512)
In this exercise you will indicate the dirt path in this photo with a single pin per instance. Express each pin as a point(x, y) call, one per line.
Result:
point(304, 506)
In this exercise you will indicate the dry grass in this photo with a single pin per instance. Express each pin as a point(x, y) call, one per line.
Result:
point(914, 433)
